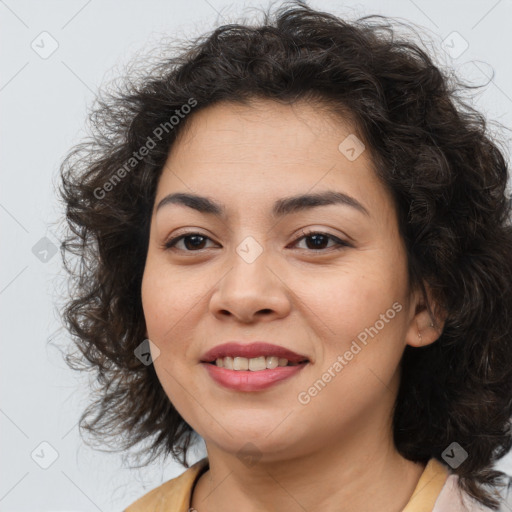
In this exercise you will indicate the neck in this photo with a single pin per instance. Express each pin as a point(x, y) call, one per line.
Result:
point(358, 471)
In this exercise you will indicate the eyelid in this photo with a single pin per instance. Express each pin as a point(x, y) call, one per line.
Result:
point(304, 233)
point(179, 236)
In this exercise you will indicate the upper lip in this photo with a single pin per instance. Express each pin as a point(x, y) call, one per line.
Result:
point(250, 350)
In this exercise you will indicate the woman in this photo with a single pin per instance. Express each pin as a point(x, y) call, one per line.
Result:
point(294, 241)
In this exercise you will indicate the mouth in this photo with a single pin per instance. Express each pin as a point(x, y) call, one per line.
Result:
point(254, 356)
point(254, 364)
point(244, 374)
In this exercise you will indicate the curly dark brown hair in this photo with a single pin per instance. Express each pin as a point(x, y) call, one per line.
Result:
point(432, 150)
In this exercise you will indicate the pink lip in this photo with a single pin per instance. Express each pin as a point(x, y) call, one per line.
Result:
point(249, 350)
point(241, 380)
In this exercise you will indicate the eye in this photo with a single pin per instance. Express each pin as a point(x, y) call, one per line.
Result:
point(194, 240)
point(319, 239)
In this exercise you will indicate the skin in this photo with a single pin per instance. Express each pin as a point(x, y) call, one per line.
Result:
point(338, 448)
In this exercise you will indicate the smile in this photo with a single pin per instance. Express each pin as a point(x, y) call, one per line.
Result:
point(246, 375)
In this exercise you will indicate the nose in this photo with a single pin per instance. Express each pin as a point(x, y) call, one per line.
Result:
point(251, 291)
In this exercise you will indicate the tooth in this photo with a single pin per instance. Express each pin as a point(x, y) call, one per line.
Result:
point(240, 363)
point(257, 363)
point(272, 362)
point(253, 364)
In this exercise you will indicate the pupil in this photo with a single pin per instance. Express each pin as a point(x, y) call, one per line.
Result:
point(316, 239)
point(196, 238)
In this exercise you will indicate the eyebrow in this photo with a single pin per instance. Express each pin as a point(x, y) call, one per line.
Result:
point(281, 207)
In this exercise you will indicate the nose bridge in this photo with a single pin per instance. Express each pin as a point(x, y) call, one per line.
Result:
point(250, 249)
point(249, 266)
point(250, 285)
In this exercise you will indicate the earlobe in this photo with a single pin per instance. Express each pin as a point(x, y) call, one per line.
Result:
point(425, 328)
point(424, 335)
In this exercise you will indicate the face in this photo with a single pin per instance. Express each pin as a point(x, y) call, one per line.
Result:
point(326, 281)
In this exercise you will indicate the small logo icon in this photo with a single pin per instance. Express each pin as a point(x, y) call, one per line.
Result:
point(351, 147)
point(249, 249)
point(454, 455)
point(44, 250)
point(147, 352)
point(44, 455)
point(249, 454)
point(454, 45)
point(44, 45)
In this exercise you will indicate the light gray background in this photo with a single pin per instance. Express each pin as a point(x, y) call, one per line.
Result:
point(43, 104)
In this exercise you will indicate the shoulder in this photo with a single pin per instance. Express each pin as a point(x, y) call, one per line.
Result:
point(438, 490)
point(453, 499)
point(173, 495)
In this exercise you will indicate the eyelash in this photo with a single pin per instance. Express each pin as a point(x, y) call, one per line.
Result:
point(340, 244)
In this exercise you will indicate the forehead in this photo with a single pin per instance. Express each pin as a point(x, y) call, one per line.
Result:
point(265, 150)
point(278, 126)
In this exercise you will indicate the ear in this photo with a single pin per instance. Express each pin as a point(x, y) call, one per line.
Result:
point(427, 322)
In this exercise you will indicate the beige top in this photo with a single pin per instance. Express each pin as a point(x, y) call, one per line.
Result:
point(436, 491)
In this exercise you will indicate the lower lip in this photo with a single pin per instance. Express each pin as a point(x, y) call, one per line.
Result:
point(246, 380)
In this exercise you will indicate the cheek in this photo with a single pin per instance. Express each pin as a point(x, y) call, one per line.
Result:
point(163, 307)
point(154, 301)
point(349, 298)
point(359, 312)
point(171, 301)
point(165, 298)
